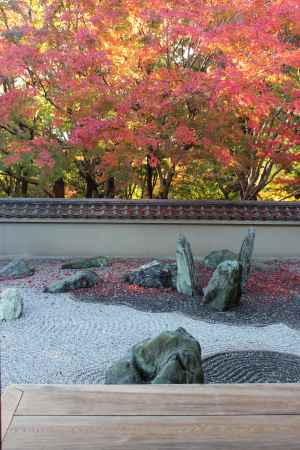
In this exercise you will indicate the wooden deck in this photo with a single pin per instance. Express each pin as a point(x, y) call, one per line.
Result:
point(161, 417)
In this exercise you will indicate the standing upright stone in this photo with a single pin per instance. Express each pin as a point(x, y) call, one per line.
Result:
point(187, 282)
point(245, 255)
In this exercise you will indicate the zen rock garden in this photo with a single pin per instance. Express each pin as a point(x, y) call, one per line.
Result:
point(222, 292)
point(118, 321)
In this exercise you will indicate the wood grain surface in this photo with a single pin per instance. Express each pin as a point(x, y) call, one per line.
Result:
point(162, 417)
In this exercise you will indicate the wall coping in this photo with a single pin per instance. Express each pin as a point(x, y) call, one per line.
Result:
point(43, 210)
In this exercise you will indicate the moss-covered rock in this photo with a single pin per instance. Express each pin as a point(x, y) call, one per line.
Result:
point(86, 263)
point(153, 275)
point(11, 304)
point(173, 357)
point(224, 288)
point(18, 268)
point(123, 372)
point(216, 257)
point(82, 279)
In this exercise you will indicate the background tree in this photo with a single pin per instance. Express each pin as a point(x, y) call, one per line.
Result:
point(128, 98)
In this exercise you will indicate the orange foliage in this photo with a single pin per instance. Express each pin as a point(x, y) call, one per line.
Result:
point(133, 78)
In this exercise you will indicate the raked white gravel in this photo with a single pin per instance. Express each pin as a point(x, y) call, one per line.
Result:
point(58, 340)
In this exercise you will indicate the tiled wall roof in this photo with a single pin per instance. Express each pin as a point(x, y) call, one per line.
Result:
point(97, 209)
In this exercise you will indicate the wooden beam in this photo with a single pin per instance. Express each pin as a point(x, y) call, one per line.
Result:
point(212, 399)
point(151, 417)
point(10, 400)
point(154, 433)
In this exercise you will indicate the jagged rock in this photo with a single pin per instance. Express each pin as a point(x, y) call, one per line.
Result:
point(11, 304)
point(214, 258)
point(187, 282)
point(86, 263)
point(152, 275)
point(223, 290)
point(245, 255)
point(82, 279)
point(18, 268)
point(173, 357)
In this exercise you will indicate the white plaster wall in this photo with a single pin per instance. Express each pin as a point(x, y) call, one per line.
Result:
point(142, 239)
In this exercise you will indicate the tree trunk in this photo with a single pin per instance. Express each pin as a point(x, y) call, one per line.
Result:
point(91, 186)
point(149, 179)
point(109, 188)
point(164, 190)
point(248, 197)
point(165, 184)
point(24, 188)
point(59, 188)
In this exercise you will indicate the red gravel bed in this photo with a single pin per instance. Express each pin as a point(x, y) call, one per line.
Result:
point(272, 294)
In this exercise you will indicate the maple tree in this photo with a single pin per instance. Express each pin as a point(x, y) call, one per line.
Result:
point(128, 95)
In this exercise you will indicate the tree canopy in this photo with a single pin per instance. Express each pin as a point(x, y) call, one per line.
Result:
point(132, 98)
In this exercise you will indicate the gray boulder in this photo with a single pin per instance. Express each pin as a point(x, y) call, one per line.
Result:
point(173, 357)
point(216, 257)
point(223, 290)
point(86, 263)
point(18, 268)
point(82, 279)
point(11, 304)
point(187, 282)
point(153, 275)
